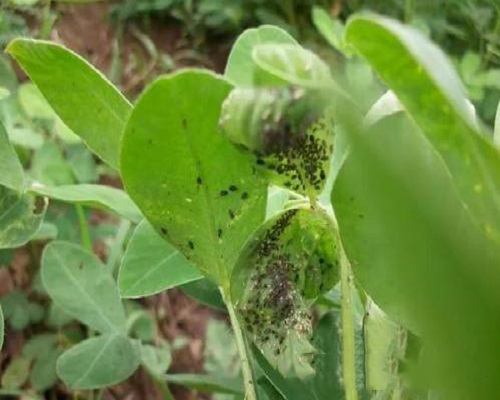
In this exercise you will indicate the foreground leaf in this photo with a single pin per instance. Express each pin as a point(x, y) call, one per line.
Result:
point(99, 196)
point(98, 362)
point(20, 217)
point(417, 253)
point(82, 286)
point(11, 170)
point(82, 97)
point(430, 90)
point(193, 186)
point(289, 261)
point(206, 292)
point(241, 69)
point(151, 265)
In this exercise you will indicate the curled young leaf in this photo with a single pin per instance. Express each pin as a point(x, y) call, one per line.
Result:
point(290, 260)
point(290, 131)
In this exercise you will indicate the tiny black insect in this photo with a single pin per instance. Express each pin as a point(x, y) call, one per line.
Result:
point(163, 230)
point(191, 244)
point(223, 192)
point(231, 214)
point(233, 188)
point(244, 195)
point(199, 181)
point(219, 233)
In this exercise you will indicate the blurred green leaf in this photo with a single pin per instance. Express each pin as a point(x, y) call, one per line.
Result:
point(82, 97)
point(16, 373)
point(156, 359)
point(82, 286)
point(11, 170)
point(20, 217)
point(241, 69)
point(332, 29)
point(99, 196)
point(2, 327)
point(82, 163)
point(415, 249)
point(427, 85)
point(49, 167)
point(151, 265)
point(191, 172)
point(98, 362)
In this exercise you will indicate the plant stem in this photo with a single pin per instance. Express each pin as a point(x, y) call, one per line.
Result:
point(250, 393)
point(348, 346)
point(117, 248)
point(84, 228)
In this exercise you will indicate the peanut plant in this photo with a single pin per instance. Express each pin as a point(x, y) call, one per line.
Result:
point(355, 250)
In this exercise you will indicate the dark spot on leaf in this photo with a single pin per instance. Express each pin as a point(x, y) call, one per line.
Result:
point(163, 230)
point(191, 244)
point(231, 214)
point(199, 181)
point(244, 196)
point(184, 123)
point(219, 233)
point(233, 188)
point(223, 192)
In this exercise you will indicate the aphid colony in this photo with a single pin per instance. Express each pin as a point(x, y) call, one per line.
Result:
point(289, 262)
point(288, 130)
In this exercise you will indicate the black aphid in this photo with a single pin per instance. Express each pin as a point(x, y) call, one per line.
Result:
point(163, 230)
point(191, 244)
point(219, 233)
point(244, 195)
point(223, 192)
point(233, 188)
point(199, 181)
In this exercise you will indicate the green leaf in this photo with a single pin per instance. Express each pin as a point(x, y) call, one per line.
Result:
point(82, 286)
point(416, 251)
point(20, 217)
point(194, 186)
point(2, 327)
point(16, 373)
point(289, 261)
point(293, 64)
point(33, 102)
point(156, 359)
point(207, 383)
point(11, 170)
point(82, 97)
point(240, 67)
point(43, 373)
point(98, 362)
point(325, 383)
point(99, 196)
point(330, 28)
point(151, 265)
point(206, 292)
point(430, 90)
point(289, 133)
point(49, 167)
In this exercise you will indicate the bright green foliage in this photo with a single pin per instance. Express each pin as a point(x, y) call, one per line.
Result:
point(291, 259)
point(294, 65)
point(325, 383)
point(206, 292)
point(151, 265)
point(193, 186)
point(11, 170)
point(241, 69)
point(83, 287)
point(82, 97)
point(426, 84)
point(99, 196)
point(289, 132)
point(418, 253)
point(98, 362)
point(20, 217)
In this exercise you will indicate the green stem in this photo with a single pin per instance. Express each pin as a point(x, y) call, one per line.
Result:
point(84, 228)
point(250, 393)
point(348, 345)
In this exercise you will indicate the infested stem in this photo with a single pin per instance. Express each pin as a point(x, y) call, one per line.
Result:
point(348, 344)
point(250, 393)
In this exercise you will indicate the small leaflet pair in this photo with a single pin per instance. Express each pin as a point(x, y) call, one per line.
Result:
point(289, 262)
point(289, 131)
